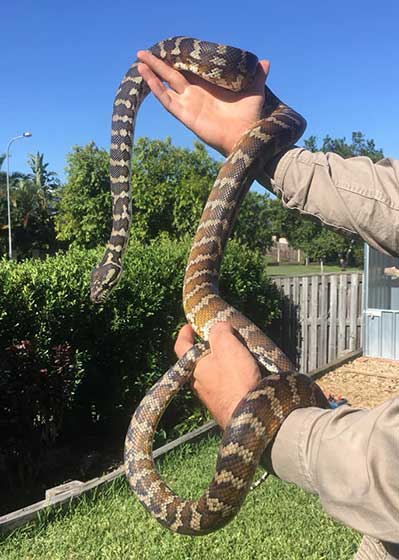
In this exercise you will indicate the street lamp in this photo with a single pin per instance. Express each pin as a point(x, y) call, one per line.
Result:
point(24, 135)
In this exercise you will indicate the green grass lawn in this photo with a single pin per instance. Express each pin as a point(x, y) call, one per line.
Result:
point(278, 521)
point(299, 269)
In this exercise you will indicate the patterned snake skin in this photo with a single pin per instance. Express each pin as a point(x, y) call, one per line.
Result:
point(260, 414)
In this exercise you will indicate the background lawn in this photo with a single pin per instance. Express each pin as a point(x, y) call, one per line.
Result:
point(299, 269)
point(278, 521)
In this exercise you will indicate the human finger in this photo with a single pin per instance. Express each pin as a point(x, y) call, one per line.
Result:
point(184, 341)
point(165, 72)
point(228, 350)
point(223, 341)
point(264, 67)
point(166, 96)
point(262, 72)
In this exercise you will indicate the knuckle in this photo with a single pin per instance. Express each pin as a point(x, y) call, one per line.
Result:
point(220, 329)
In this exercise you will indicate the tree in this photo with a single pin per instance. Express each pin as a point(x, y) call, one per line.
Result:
point(35, 226)
point(170, 186)
point(253, 227)
point(84, 209)
point(45, 180)
point(317, 241)
point(359, 146)
point(3, 181)
point(31, 213)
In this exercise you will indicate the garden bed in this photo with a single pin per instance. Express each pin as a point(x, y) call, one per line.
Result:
point(364, 382)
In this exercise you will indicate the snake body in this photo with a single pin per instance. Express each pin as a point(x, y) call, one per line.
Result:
point(260, 414)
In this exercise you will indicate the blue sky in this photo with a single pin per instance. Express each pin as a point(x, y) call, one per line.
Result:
point(335, 62)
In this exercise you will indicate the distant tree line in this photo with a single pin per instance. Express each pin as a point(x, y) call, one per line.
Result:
point(169, 188)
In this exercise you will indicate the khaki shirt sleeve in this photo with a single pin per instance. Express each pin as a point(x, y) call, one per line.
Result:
point(353, 196)
point(350, 458)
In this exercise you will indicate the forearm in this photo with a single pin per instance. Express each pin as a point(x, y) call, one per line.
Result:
point(349, 457)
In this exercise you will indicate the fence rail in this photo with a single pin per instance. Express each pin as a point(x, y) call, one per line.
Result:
point(321, 317)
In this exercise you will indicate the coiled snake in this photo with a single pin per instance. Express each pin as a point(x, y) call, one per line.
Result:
point(260, 414)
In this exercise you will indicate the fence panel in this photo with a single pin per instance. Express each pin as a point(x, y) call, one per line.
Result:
point(321, 317)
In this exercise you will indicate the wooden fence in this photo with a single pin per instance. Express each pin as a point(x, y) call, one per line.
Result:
point(321, 317)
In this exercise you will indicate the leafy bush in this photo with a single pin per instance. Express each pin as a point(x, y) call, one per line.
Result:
point(121, 347)
point(35, 392)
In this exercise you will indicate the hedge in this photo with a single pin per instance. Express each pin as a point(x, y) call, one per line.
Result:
point(68, 366)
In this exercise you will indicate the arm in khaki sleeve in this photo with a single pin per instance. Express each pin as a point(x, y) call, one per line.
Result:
point(354, 196)
point(350, 458)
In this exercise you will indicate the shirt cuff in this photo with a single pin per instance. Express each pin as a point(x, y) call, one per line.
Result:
point(294, 446)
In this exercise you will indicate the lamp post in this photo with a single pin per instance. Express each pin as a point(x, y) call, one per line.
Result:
point(24, 135)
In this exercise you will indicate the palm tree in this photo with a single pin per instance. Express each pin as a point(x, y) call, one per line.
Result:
point(30, 200)
point(43, 178)
point(32, 197)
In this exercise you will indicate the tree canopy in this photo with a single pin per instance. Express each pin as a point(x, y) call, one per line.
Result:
point(170, 186)
point(360, 146)
point(84, 210)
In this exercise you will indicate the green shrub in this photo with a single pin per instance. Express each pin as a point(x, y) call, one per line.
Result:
point(124, 345)
point(35, 392)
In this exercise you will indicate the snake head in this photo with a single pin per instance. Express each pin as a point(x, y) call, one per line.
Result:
point(103, 280)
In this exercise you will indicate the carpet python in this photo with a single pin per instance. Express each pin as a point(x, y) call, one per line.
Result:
point(281, 390)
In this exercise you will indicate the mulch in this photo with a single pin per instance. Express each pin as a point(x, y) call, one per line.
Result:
point(364, 382)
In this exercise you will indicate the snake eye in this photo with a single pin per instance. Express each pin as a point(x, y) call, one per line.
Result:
point(103, 281)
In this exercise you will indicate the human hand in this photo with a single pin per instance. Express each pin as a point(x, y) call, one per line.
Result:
point(223, 377)
point(216, 115)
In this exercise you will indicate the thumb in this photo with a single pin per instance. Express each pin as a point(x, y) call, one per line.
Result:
point(261, 74)
point(184, 341)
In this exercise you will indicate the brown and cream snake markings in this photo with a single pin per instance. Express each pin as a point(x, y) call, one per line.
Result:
point(260, 414)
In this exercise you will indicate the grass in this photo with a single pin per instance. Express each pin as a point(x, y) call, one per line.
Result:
point(277, 521)
point(299, 269)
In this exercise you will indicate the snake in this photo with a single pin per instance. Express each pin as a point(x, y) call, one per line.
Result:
point(258, 417)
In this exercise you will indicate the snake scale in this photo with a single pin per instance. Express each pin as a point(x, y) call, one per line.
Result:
point(281, 390)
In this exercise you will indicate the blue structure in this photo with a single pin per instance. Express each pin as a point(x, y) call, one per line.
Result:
point(380, 305)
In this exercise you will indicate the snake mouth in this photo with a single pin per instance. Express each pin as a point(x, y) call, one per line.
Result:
point(94, 298)
point(97, 296)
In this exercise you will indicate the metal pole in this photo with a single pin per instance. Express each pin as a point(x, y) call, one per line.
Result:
point(24, 135)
